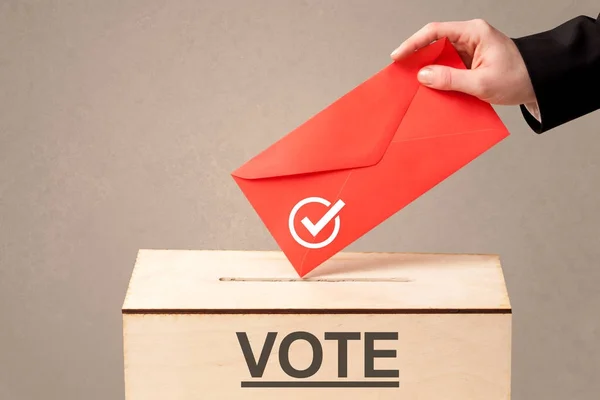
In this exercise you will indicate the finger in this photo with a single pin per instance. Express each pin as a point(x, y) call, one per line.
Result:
point(429, 33)
point(447, 78)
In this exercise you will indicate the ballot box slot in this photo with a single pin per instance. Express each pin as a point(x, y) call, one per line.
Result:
point(318, 280)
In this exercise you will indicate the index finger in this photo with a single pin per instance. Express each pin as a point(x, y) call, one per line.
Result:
point(431, 32)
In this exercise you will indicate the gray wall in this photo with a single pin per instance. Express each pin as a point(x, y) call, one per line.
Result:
point(120, 122)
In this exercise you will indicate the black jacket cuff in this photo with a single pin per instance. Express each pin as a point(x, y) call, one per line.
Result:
point(564, 67)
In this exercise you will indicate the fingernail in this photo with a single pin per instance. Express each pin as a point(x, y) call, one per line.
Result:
point(425, 76)
point(395, 53)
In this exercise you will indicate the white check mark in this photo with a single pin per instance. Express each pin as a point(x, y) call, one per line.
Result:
point(314, 229)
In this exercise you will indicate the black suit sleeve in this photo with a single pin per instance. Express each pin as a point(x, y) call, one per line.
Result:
point(564, 67)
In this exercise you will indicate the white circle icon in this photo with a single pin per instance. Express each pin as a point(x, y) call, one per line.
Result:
point(315, 228)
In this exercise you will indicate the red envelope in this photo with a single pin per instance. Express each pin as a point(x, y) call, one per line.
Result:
point(365, 157)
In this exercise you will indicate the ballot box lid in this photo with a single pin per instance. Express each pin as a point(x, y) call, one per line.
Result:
point(246, 282)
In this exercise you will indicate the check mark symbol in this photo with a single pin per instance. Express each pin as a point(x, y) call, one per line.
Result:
point(314, 229)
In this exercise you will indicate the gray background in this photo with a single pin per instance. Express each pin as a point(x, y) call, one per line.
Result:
point(120, 122)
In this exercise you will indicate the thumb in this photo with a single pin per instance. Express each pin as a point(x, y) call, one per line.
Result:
point(447, 78)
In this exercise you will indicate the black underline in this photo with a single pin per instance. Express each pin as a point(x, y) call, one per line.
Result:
point(320, 384)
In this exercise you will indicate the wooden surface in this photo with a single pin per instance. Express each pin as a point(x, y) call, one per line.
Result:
point(184, 309)
point(190, 357)
point(242, 281)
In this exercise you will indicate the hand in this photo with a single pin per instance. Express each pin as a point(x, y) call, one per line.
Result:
point(495, 70)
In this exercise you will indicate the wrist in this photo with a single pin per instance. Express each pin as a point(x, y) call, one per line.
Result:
point(534, 110)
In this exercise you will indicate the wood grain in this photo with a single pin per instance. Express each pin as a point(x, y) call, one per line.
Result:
point(180, 280)
point(184, 309)
point(449, 357)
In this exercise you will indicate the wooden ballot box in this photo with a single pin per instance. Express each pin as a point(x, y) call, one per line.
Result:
point(242, 325)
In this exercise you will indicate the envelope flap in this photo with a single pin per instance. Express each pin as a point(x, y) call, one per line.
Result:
point(352, 132)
